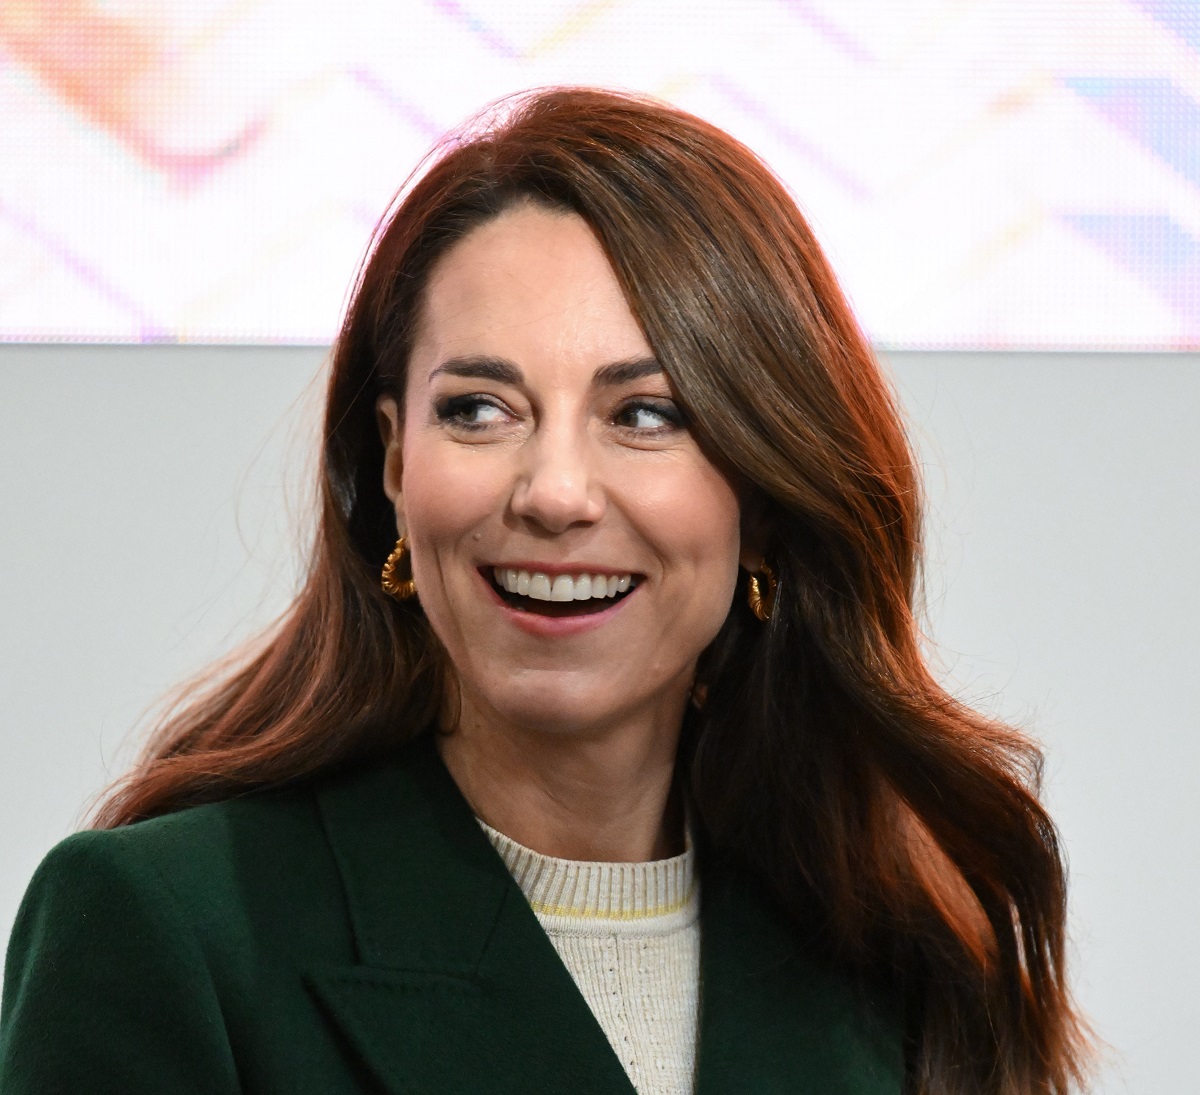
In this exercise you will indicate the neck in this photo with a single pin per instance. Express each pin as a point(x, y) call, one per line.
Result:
point(605, 795)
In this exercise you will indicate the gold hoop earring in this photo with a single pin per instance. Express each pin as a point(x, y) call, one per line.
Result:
point(393, 585)
point(762, 605)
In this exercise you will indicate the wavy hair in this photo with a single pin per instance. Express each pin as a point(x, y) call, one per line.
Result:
point(825, 756)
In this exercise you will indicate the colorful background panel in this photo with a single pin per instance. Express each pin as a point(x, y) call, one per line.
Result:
point(993, 174)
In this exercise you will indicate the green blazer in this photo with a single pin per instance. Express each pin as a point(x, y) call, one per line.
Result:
point(359, 934)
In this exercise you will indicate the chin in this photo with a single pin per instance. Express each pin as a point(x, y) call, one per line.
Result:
point(556, 711)
point(555, 702)
point(574, 703)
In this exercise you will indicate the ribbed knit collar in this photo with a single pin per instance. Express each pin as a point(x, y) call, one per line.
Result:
point(576, 889)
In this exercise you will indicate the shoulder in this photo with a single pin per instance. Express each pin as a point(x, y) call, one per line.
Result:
point(202, 841)
point(131, 944)
point(221, 870)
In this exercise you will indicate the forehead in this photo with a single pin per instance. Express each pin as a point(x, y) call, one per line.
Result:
point(533, 286)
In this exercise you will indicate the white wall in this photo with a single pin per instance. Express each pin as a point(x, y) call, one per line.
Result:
point(143, 529)
point(142, 521)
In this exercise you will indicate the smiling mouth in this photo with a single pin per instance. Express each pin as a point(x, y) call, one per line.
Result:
point(560, 595)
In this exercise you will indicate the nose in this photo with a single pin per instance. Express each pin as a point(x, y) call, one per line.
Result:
point(557, 487)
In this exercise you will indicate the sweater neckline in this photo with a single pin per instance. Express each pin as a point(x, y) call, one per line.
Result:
point(584, 889)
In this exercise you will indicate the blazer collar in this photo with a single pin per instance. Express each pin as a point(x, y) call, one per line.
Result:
point(776, 1013)
point(458, 988)
point(457, 981)
point(423, 887)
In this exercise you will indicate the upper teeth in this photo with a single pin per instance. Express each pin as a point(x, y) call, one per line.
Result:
point(562, 587)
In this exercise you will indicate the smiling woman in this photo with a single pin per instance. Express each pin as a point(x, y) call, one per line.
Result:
point(597, 752)
point(533, 399)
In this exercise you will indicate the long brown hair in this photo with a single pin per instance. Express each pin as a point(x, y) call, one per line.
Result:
point(826, 756)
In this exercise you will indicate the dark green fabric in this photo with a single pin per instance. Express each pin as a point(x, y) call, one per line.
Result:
point(359, 934)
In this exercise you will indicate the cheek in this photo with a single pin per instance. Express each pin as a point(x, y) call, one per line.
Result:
point(692, 520)
point(446, 495)
point(697, 518)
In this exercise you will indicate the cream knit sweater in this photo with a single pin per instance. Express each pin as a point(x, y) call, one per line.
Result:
point(629, 933)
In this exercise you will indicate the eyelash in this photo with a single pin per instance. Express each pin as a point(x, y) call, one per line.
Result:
point(670, 414)
point(448, 410)
point(452, 411)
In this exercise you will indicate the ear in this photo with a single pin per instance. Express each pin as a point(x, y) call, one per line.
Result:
point(755, 532)
point(391, 433)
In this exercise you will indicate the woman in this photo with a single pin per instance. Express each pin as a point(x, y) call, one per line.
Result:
point(627, 773)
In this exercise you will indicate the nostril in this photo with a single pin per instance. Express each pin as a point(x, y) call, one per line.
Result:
point(558, 501)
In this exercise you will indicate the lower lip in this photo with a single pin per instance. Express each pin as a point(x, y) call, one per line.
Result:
point(556, 627)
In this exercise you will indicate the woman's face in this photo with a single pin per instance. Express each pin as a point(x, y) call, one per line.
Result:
point(572, 547)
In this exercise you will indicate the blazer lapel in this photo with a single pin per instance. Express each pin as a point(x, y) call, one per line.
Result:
point(457, 983)
point(775, 1017)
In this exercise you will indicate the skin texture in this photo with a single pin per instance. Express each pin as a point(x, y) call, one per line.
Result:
point(565, 731)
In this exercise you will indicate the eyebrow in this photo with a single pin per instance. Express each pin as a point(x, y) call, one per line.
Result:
point(623, 372)
point(503, 371)
point(480, 368)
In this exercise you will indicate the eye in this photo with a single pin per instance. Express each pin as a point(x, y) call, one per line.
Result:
point(649, 416)
point(470, 412)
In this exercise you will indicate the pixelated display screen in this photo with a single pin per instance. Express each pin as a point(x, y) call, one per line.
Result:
point(993, 174)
